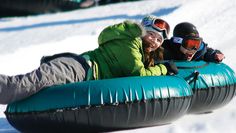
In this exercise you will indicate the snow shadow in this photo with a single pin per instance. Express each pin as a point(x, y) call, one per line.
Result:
point(161, 12)
point(5, 127)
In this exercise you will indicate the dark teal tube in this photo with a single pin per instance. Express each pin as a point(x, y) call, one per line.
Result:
point(100, 92)
point(213, 84)
point(102, 105)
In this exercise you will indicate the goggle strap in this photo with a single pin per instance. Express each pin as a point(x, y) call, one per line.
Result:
point(201, 47)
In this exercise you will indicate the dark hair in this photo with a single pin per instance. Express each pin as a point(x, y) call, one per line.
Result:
point(150, 58)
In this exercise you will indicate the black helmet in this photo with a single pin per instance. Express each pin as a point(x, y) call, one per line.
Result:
point(185, 29)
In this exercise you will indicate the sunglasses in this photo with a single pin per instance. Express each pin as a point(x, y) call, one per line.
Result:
point(192, 43)
point(161, 26)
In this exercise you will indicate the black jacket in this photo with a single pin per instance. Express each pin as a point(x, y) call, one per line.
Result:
point(172, 52)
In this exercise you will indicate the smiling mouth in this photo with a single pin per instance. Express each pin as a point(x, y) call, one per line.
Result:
point(189, 55)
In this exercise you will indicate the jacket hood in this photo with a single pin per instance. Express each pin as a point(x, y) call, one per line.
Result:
point(127, 29)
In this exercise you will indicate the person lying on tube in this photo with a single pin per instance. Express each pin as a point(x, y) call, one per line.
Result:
point(186, 44)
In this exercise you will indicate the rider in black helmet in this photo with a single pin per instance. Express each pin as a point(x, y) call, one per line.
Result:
point(186, 44)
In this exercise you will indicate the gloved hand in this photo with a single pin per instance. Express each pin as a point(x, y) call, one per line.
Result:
point(171, 68)
point(219, 57)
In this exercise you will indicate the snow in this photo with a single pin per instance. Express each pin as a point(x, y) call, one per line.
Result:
point(24, 40)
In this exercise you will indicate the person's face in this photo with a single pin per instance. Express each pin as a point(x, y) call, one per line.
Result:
point(152, 41)
point(188, 53)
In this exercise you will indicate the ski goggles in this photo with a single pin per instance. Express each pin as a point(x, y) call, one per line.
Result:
point(157, 24)
point(161, 26)
point(190, 43)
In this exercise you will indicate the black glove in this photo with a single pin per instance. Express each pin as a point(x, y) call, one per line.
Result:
point(171, 68)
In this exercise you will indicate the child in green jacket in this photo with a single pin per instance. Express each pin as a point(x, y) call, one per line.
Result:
point(125, 49)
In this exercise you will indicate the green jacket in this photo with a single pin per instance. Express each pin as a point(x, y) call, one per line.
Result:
point(120, 53)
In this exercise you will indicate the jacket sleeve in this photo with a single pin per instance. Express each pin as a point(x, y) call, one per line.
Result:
point(210, 54)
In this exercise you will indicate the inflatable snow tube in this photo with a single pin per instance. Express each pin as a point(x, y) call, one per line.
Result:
point(102, 105)
point(10, 8)
point(213, 84)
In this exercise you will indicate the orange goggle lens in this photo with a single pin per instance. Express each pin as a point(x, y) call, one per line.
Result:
point(192, 44)
point(161, 25)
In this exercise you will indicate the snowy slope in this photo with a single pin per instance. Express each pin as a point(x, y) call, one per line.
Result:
point(24, 40)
